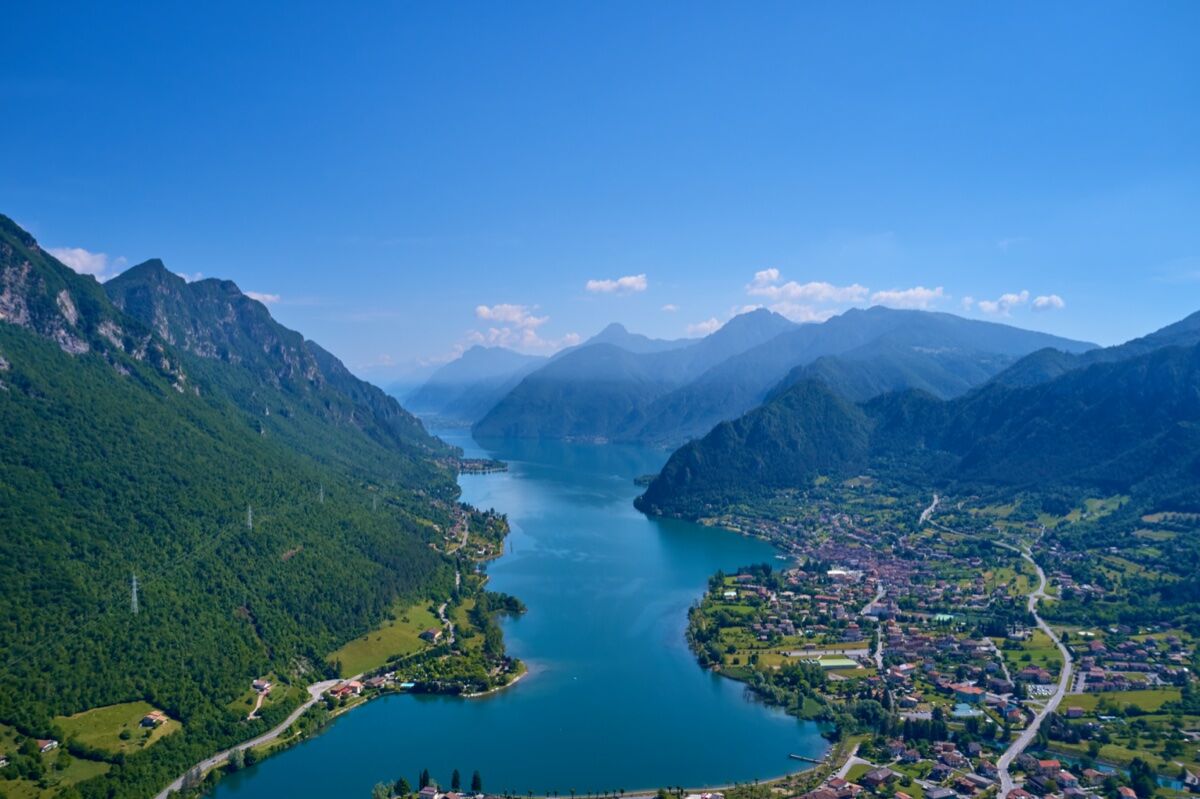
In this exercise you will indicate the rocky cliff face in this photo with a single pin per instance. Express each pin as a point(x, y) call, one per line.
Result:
point(44, 296)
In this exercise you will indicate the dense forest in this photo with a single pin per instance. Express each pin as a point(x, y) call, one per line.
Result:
point(1129, 425)
point(271, 506)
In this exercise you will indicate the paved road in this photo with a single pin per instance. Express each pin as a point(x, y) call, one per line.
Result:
point(315, 691)
point(1064, 682)
point(850, 763)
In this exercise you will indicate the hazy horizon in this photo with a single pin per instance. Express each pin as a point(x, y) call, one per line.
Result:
point(399, 183)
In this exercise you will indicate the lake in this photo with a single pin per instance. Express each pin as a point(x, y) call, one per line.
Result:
point(614, 699)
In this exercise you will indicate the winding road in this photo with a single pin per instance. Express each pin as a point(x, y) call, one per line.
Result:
point(315, 691)
point(1027, 735)
point(1004, 764)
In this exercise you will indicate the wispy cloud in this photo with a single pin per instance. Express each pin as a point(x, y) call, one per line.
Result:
point(814, 291)
point(86, 262)
point(519, 316)
point(917, 297)
point(670, 307)
point(265, 299)
point(704, 328)
point(1004, 304)
point(798, 312)
point(1049, 302)
point(814, 301)
point(516, 327)
point(629, 284)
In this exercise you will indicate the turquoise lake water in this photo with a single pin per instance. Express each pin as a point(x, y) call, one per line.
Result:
point(614, 699)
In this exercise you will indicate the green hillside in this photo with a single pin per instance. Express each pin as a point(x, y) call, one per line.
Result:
point(1131, 425)
point(123, 453)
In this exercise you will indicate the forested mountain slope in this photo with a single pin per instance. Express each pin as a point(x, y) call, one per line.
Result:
point(1131, 425)
point(601, 390)
point(1050, 363)
point(123, 453)
point(877, 349)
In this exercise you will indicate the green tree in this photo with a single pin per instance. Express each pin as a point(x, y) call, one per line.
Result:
point(476, 782)
point(455, 781)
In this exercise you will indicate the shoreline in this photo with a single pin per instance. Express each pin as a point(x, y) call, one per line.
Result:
point(790, 769)
point(497, 689)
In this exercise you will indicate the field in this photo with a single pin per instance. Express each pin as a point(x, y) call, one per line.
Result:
point(1018, 580)
point(61, 770)
point(1149, 700)
point(398, 636)
point(914, 790)
point(116, 728)
point(1037, 650)
point(279, 694)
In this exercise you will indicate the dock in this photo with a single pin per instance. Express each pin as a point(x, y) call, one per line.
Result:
point(806, 759)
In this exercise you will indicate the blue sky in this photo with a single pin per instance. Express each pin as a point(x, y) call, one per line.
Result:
point(402, 180)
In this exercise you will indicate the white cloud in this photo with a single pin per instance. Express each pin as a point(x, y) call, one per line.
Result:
point(265, 299)
point(917, 297)
point(798, 312)
point(88, 263)
point(967, 302)
point(1004, 305)
point(670, 307)
point(812, 292)
point(765, 277)
point(1007, 243)
point(516, 328)
point(803, 302)
point(526, 339)
point(629, 284)
point(1049, 302)
point(520, 316)
point(192, 278)
point(710, 325)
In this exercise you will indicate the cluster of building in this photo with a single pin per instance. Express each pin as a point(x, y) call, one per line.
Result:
point(1050, 777)
point(1131, 663)
point(949, 774)
point(348, 689)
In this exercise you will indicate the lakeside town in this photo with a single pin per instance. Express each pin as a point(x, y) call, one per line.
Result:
point(919, 638)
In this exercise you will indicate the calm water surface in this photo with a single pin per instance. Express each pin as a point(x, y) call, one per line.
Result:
point(614, 699)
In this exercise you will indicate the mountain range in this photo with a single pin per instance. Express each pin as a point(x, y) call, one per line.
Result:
point(622, 387)
point(1121, 419)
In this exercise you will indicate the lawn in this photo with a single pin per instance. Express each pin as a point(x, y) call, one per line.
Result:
point(1149, 700)
point(857, 770)
point(398, 636)
point(76, 770)
point(1036, 650)
point(103, 727)
point(1119, 755)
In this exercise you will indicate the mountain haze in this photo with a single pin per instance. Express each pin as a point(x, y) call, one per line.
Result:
point(462, 391)
point(601, 390)
point(1129, 424)
point(669, 397)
